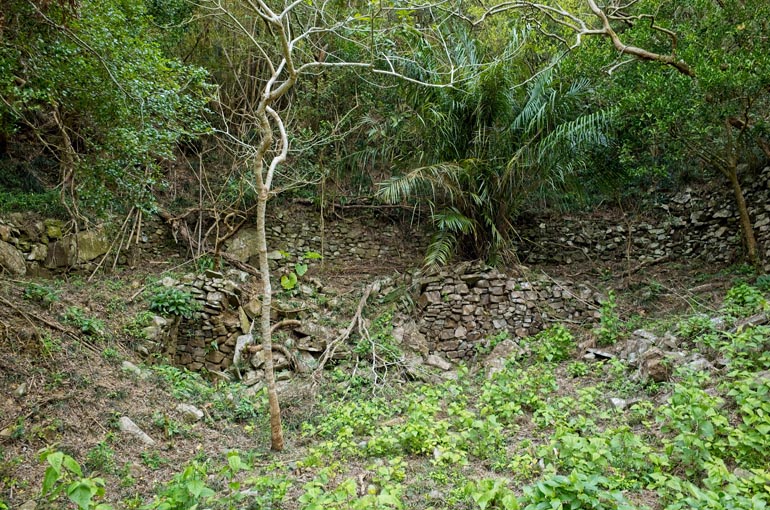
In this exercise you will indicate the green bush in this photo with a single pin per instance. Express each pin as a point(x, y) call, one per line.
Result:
point(88, 325)
point(173, 301)
point(610, 324)
point(553, 344)
point(743, 300)
point(41, 294)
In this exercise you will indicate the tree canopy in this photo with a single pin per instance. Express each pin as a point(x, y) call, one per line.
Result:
point(477, 112)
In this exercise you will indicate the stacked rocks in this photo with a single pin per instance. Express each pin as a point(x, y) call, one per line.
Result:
point(460, 309)
point(42, 247)
point(207, 339)
point(688, 225)
point(295, 231)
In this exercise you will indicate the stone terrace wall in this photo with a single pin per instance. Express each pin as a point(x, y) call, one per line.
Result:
point(458, 310)
point(296, 230)
point(208, 338)
point(691, 225)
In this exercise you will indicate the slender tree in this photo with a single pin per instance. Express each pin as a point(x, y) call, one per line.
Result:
point(296, 42)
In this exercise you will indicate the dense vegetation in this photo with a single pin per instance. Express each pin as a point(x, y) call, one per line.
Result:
point(462, 114)
point(475, 117)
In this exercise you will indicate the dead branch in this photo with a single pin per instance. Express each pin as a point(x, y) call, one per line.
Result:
point(646, 263)
point(356, 323)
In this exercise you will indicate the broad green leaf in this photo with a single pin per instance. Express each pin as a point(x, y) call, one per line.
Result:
point(80, 493)
point(72, 465)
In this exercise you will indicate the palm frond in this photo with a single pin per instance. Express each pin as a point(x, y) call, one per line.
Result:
point(440, 250)
point(431, 181)
point(454, 221)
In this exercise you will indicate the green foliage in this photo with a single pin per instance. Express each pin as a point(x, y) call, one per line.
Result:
point(380, 346)
point(514, 391)
point(187, 491)
point(577, 369)
point(610, 325)
point(763, 283)
point(134, 327)
point(45, 203)
point(487, 149)
point(699, 425)
point(223, 401)
point(566, 447)
point(290, 279)
point(89, 326)
point(42, 294)
point(552, 345)
point(491, 494)
point(94, 70)
point(748, 441)
point(101, 459)
point(574, 491)
point(173, 301)
point(63, 476)
point(743, 300)
point(722, 43)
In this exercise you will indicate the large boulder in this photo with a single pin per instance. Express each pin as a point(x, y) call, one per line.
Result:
point(243, 245)
point(91, 244)
point(60, 254)
point(12, 260)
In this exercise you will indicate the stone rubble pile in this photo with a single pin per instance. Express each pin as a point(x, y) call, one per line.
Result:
point(459, 310)
point(209, 337)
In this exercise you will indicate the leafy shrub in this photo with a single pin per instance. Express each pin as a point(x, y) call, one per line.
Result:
point(41, 294)
point(695, 326)
point(610, 324)
point(553, 344)
point(186, 491)
point(574, 491)
point(750, 441)
point(64, 476)
point(491, 494)
point(88, 325)
point(743, 300)
point(47, 204)
point(513, 391)
point(763, 283)
point(134, 327)
point(101, 458)
point(577, 369)
point(748, 349)
point(173, 301)
point(699, 427)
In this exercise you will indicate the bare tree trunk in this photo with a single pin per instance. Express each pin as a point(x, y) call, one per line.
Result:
point(276, 429)
point(747, 230)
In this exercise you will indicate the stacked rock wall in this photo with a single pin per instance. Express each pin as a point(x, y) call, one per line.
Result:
point(690, 225)
point(207, 339)
point(43, 246)
point(296, 230)
point(460, 310)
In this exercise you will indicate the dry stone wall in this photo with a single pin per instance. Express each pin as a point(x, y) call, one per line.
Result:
point(459, 310)
point(692, 225)
point(297, 229)
point(207, 339)
point(41, 247)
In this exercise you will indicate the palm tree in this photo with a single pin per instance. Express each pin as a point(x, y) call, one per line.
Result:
point(489, 149)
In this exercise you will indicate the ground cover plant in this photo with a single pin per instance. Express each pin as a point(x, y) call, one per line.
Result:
point(540, 433)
